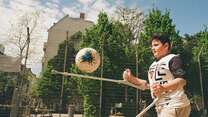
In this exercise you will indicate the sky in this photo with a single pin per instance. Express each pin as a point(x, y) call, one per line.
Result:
point(189, 16)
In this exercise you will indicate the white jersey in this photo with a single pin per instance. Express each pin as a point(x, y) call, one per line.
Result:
point(159, 72)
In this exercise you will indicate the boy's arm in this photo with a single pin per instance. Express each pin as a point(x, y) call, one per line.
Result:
point(128, 76)
point(159, 89)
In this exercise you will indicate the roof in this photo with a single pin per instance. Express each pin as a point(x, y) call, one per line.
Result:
point(10, 64)
point(67, 16)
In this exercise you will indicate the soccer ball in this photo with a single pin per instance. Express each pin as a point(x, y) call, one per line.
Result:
point(87, 60)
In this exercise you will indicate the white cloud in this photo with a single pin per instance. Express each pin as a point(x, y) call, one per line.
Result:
point(55, 1)
point(86, 2)
point(98, 6)
point(70, 12)
point(52, 5)
point(119, 2)
point(10, 12)
point(5, 17)
point(23, 5)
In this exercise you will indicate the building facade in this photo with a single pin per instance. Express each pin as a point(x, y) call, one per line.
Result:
point(57, 34)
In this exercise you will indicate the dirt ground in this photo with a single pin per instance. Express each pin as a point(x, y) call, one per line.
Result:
point(55, 115)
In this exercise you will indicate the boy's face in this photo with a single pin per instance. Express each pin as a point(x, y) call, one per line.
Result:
point(159, 50)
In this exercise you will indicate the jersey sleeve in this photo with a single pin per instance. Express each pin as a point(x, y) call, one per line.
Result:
point(176, 67)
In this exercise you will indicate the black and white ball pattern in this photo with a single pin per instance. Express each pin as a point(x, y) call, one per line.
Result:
point(87, 60)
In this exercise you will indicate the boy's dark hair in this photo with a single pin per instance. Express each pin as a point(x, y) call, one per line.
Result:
point(162, 38)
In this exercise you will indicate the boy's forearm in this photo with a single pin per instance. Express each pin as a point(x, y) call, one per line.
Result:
point(138, 81)
point(174, 84)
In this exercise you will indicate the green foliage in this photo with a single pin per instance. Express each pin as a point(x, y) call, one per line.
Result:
point(46, 86)
point(198, 45)
point(195, 52)
point(49, 86)
point(156, 22)
point(202, 41)
point(160, 23)
point(89, 110)
point(200, 54)
point(111, 38)
point(7, 83)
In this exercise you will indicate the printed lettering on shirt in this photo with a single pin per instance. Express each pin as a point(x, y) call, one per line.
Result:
point(158, 73)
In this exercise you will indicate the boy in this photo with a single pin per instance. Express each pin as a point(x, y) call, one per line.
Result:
point(166, 80)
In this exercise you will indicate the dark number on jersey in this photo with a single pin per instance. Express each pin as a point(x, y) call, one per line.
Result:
point(159, 77)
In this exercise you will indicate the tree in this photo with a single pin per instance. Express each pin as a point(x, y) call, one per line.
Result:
point(156, 22)
point(94, 37)
point(200, 57)
point(111, 40)
point(133, 18)
point(18, 32)
point(7, 83)
point(49, 86)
